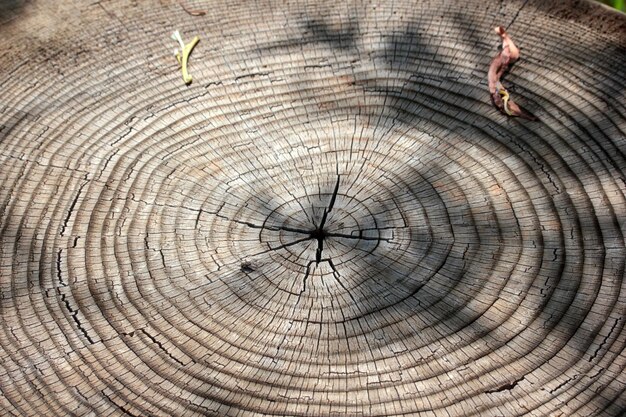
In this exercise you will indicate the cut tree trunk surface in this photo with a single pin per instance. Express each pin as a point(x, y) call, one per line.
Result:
point(332, 219)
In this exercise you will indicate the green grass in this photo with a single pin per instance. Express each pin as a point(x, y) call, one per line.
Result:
point(618, 4)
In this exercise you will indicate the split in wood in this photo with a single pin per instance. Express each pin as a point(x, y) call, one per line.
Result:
point(183, 56)
point(319, 233)
point(499, 65)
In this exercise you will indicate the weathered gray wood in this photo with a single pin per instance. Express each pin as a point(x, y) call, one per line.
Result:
point(161, 248)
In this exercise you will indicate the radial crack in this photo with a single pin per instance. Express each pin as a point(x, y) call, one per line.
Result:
point(306, 275)
point(319, 232)
point(263, 226)
point(359, 237)
point(285, 245)
point(320, 248)
point(331, 204)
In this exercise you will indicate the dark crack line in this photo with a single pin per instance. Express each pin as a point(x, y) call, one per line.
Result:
point(561, 385)
point(542, 167)
point(285, 245)
point(198, 218)
point(516, 15)
point(320, 248)
point(337, 275)
point(59, 271)
point(121, 407)
point(331, 204)
point(72, 207)
point(160, 345)
point(162, 258)
point(263, 226)
point(335, 272)
point(506, 387)
point(306, 276)
point(319, 233)
point(359, 237)
point(74, 314)
point(606, 338)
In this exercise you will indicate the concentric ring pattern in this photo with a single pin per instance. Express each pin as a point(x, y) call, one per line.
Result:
point(331, 220)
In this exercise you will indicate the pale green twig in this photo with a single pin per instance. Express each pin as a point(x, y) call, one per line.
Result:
point(182, 56)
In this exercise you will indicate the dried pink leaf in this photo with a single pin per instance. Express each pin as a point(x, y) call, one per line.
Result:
point(499, 65)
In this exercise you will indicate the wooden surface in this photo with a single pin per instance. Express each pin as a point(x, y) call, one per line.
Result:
point(331, 220)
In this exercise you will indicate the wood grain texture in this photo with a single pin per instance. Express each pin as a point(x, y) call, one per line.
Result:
point(331, 220)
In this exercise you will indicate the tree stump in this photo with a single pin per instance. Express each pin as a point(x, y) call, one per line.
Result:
point(332, 219)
